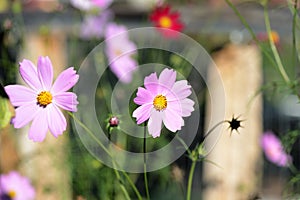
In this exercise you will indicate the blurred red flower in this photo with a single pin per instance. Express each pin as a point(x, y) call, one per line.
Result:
point(168, 21)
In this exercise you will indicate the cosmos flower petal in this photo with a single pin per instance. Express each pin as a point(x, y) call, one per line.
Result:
point(143, 96)
point(123, 67)
point(181, 89)
point(24, 114)
point(167, 79)
point(168, 22)
point(65, 80)
point(102, 3)
point(151, 82)
point(20, 185)
point(154, 123)
point(45, 72)
point(142, 113)
point(29, 74)
point(56, 120)
point(39, 126)
point(172, 120)
point(67, 101)
point(273, 150)
point(164, 104)
point(42, 108)
point(187, 106)
point(119, 50)
point(82, 4)
point(93, 26)
point(19, 94)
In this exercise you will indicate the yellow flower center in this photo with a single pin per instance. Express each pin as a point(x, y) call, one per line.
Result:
point(12, 194)
point(275, 37)
point(165, 22)
point(44, 98)
point(160, 102)
point(118, 52)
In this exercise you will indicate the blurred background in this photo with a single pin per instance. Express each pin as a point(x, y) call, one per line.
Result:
point(255, 92)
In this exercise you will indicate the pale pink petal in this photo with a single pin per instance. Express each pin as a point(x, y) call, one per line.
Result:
point(143, 96)
point(151, 83)
point(115, 30)
point(142, 113)
point(154, 123)
point(29, 74)
point(123, 67)
point(66, 100)
point(66, 80)
point(172, 120)
point(25, 113)
point(187, 106)
point(19, 95)
point(102, 3)
point(181, 89)
point(45, 72)
point(39, 126)
point(56, 121)
point(167, 79)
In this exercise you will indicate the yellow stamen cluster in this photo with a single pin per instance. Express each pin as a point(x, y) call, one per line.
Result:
point(44, 98)
point(165, 22)
point(160, 102)
point(12, 194)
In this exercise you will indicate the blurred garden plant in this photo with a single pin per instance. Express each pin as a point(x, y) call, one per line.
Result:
point(277, 149)
point(161, 100)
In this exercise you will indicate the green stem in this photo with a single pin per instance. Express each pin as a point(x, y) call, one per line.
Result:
point(118, 174)
point(247, 26)
point(183, 144)
point(113, 162)
point(212, 129)
point(137, 193)
point(295, 16)
point(190, 181)
point(90, 133)
point(145, 165)
point(273, 47)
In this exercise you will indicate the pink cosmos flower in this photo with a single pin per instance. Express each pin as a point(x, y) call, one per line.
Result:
point(163, 100)
point(13, 186)
point(93, 26)
point(87, 5)
point(41, 101)
point(274, 150)
point(119, 50)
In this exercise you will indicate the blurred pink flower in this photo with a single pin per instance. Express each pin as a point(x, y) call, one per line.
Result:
point(274, 150)
point(163, 100)
point(87, 5)
point(93, 26)
point(41, 101)
point(120, 50)
point(169, 21)
point(13, 186)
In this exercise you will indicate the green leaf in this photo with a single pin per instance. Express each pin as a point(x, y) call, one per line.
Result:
point(5, 112)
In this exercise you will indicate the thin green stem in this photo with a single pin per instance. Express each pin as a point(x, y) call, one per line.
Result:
point(295, 17)
point(183, 144)
point(117, 172)
point(273, 47)
point(253, 35)
point(137, 193)
point(213, 128)
point(113, 162)
point(145, 164)
point(90, 133)
point(190, 180)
